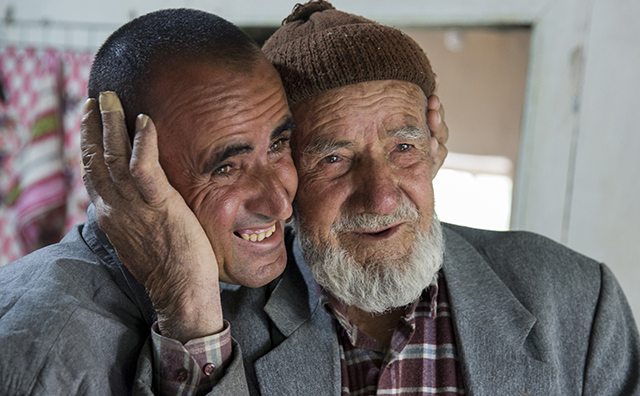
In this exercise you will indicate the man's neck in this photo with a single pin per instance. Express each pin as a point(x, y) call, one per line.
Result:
point(378, 326)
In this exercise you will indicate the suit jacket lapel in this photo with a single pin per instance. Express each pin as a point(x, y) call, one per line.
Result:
point(307, 362)
point(492, 327)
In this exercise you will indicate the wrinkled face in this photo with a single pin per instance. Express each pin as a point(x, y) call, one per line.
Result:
point(223, 138)
point(364, 150)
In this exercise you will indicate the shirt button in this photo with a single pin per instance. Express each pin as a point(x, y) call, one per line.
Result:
point(182, 375)
point(209, 369)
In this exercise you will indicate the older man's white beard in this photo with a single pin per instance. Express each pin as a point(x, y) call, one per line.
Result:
point(378, 286)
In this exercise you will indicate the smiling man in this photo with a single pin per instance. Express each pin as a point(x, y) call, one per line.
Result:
point(72, 317)
point(225, 149)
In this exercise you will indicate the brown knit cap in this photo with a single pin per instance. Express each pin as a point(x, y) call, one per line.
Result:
point(319, 48)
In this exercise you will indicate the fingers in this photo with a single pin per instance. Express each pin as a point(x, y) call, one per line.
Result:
point(433, 102)
point(439, 130)
point(146, 171)
point(112, 170)
point(94, 172)
point(435, 116)
point(435, 120)
point(116, 144)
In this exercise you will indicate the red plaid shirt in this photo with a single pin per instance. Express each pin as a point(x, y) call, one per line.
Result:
point(421, 360)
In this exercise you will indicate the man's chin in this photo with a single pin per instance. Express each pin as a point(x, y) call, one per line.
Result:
point(377, 284)
point(254, 271)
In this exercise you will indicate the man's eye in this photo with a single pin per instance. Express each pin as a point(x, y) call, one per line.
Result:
point(403, 147)
point(223, 170)
point(278, 145)
point(331, 159)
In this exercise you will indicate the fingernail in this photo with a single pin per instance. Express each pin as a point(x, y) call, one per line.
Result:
point(87, 105)
point(110, 102)
point(141, 121)
point(82, 167)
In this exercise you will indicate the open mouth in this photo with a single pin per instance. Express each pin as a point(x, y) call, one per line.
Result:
point(256, 236)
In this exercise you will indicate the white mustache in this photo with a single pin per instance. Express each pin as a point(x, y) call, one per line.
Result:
point(370, 221)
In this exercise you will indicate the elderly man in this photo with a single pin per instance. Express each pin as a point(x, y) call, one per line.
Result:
point(498, 313)
point(414, 308)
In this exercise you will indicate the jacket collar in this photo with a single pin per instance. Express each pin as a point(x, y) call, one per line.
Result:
point(307, 362)
point(295, 298)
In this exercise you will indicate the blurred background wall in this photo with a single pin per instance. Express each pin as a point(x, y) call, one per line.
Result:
point(541, 99)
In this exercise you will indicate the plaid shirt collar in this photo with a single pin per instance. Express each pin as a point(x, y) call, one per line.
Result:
point(337, 310)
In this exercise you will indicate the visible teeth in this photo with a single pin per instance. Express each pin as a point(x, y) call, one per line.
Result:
point(259, 237)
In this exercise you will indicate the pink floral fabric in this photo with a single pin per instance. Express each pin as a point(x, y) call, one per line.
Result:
point(41, 192)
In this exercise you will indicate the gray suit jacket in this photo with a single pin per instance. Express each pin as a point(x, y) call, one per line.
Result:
point(530, 316)
point(72, 319)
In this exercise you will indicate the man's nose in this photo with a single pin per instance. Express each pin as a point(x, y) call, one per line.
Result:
point(377, 190)
point(269, 195)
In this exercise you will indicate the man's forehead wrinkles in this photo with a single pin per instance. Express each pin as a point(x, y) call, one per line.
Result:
point(349, 103)
point(201, 101)
point(244, 97)
point(234, 119)
point(239, 110)
point(374, 92)
point(331, 117)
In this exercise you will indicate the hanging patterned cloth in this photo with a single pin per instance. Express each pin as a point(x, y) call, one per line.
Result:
point(41, 191)
point(75, 67)
point(10, 245)
point(36, 194)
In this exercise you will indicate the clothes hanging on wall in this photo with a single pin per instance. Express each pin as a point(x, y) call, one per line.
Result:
point(40, 145)
point(75, 76)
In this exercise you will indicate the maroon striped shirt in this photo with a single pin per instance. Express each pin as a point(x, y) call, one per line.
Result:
point(421, 359)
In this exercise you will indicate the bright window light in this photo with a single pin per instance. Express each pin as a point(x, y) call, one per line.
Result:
point(475, 191)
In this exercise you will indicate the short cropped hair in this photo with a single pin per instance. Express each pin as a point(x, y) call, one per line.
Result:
point(127, 60)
